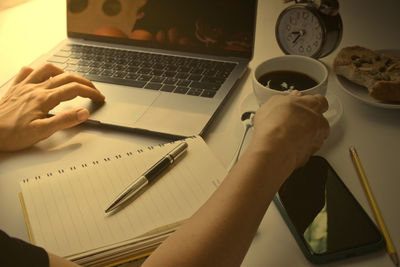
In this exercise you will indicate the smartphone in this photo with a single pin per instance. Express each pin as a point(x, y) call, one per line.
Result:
point(324, 217)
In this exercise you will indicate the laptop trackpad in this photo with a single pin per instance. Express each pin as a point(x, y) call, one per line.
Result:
point(123, 105)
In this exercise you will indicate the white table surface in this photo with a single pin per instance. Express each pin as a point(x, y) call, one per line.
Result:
point(33, 28)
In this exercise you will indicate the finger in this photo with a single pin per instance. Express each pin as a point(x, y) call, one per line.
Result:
point(296, 93)
point(317, 103)
point(65, 78)
point(67, 119)
point(70, 91)
point(43, 73)
point(22, 74)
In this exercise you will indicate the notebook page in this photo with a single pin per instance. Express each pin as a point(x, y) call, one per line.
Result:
point(66, 208)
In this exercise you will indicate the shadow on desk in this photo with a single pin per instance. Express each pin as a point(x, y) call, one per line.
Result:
point(335, 135)
point(54, 149)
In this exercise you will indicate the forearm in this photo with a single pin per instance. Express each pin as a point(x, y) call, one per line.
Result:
point(56, 261)
point(220, 233)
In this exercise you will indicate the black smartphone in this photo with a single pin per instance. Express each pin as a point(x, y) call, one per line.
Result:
point(324, 217)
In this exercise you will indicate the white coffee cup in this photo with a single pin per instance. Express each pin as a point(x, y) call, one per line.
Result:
point(302, 64)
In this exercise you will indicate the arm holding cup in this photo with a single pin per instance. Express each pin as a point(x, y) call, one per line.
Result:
point(287, 131)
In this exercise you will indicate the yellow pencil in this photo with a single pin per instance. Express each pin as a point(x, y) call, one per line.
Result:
point(371, 199)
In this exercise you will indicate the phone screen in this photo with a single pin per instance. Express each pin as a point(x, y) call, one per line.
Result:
point(324, 213)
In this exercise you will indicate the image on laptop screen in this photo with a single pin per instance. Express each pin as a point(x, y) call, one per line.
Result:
point(211, 26)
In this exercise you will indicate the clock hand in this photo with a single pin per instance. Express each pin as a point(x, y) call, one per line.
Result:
point(295, 39)
point(300, 33)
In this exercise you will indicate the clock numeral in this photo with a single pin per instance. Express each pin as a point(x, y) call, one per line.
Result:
point(293, 20)
point(301, 49)
point(306, 15)
point(315, 43)
point(308, 49)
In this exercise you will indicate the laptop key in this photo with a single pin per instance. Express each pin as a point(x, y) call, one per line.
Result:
point(195, 77)
point(108, 66)
point(156, 72)
point(132, 69)
point(108, 73)
point(83, 69)
point(197, 71)
point(222, 74)
point(71, 68)
point(170, 74)
point(168, 88)
point(88, 57)
point(84, 62)
point(195, 92)
point(184, 69)
point(144, 78)
point(134, 64)
point(171, 81)
point(208, 93)
point(119, 67)
point(182, 75)
point(62, 54)
point(204, 85)
point(76, 55)
point(159, 66)
point(73, 61)
point(67, 48)
point(146, 65)
point(109, 60)
point(181, 90)
point(138, 84)
point(183, 82)
point(95, 64)
point(144, 71)
point(153, 86)
point(214, 80)
point(120, 74)
point(95, 71)
point(62, 66)
point(132, 76)
point(158, 79)
point(61, 60)
point(171, 68)
point(210, 73)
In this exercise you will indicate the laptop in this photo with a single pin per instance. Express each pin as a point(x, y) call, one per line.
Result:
point(165, 67)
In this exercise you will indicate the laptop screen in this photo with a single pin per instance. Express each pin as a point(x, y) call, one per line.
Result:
point(215, 27)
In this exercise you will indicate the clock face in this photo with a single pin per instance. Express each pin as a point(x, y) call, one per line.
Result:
point(300, 32)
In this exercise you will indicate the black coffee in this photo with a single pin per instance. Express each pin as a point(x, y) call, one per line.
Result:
point(283, 80)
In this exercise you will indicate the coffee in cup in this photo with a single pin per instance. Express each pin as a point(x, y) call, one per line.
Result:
point(281, 75)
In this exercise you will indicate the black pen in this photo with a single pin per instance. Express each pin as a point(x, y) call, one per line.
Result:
point(148, 176)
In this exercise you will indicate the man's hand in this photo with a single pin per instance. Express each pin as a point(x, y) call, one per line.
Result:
point(293, 125)
point(33, 93)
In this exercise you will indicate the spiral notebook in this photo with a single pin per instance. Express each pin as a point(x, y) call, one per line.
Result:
point(64, 208)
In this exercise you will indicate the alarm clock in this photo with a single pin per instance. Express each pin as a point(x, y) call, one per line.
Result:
point(309, 28)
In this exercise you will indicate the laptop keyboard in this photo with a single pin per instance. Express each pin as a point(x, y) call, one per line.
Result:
point(180, 75)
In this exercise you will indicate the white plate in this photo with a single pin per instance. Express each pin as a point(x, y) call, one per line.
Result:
point(361, 92)
point(333, 114)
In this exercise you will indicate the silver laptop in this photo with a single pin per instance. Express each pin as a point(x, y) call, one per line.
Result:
point(165, 67)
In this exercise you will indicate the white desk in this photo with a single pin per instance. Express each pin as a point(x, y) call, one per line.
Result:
point(34, 28)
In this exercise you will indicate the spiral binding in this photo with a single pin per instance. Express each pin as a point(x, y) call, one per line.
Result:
point(106, 159)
